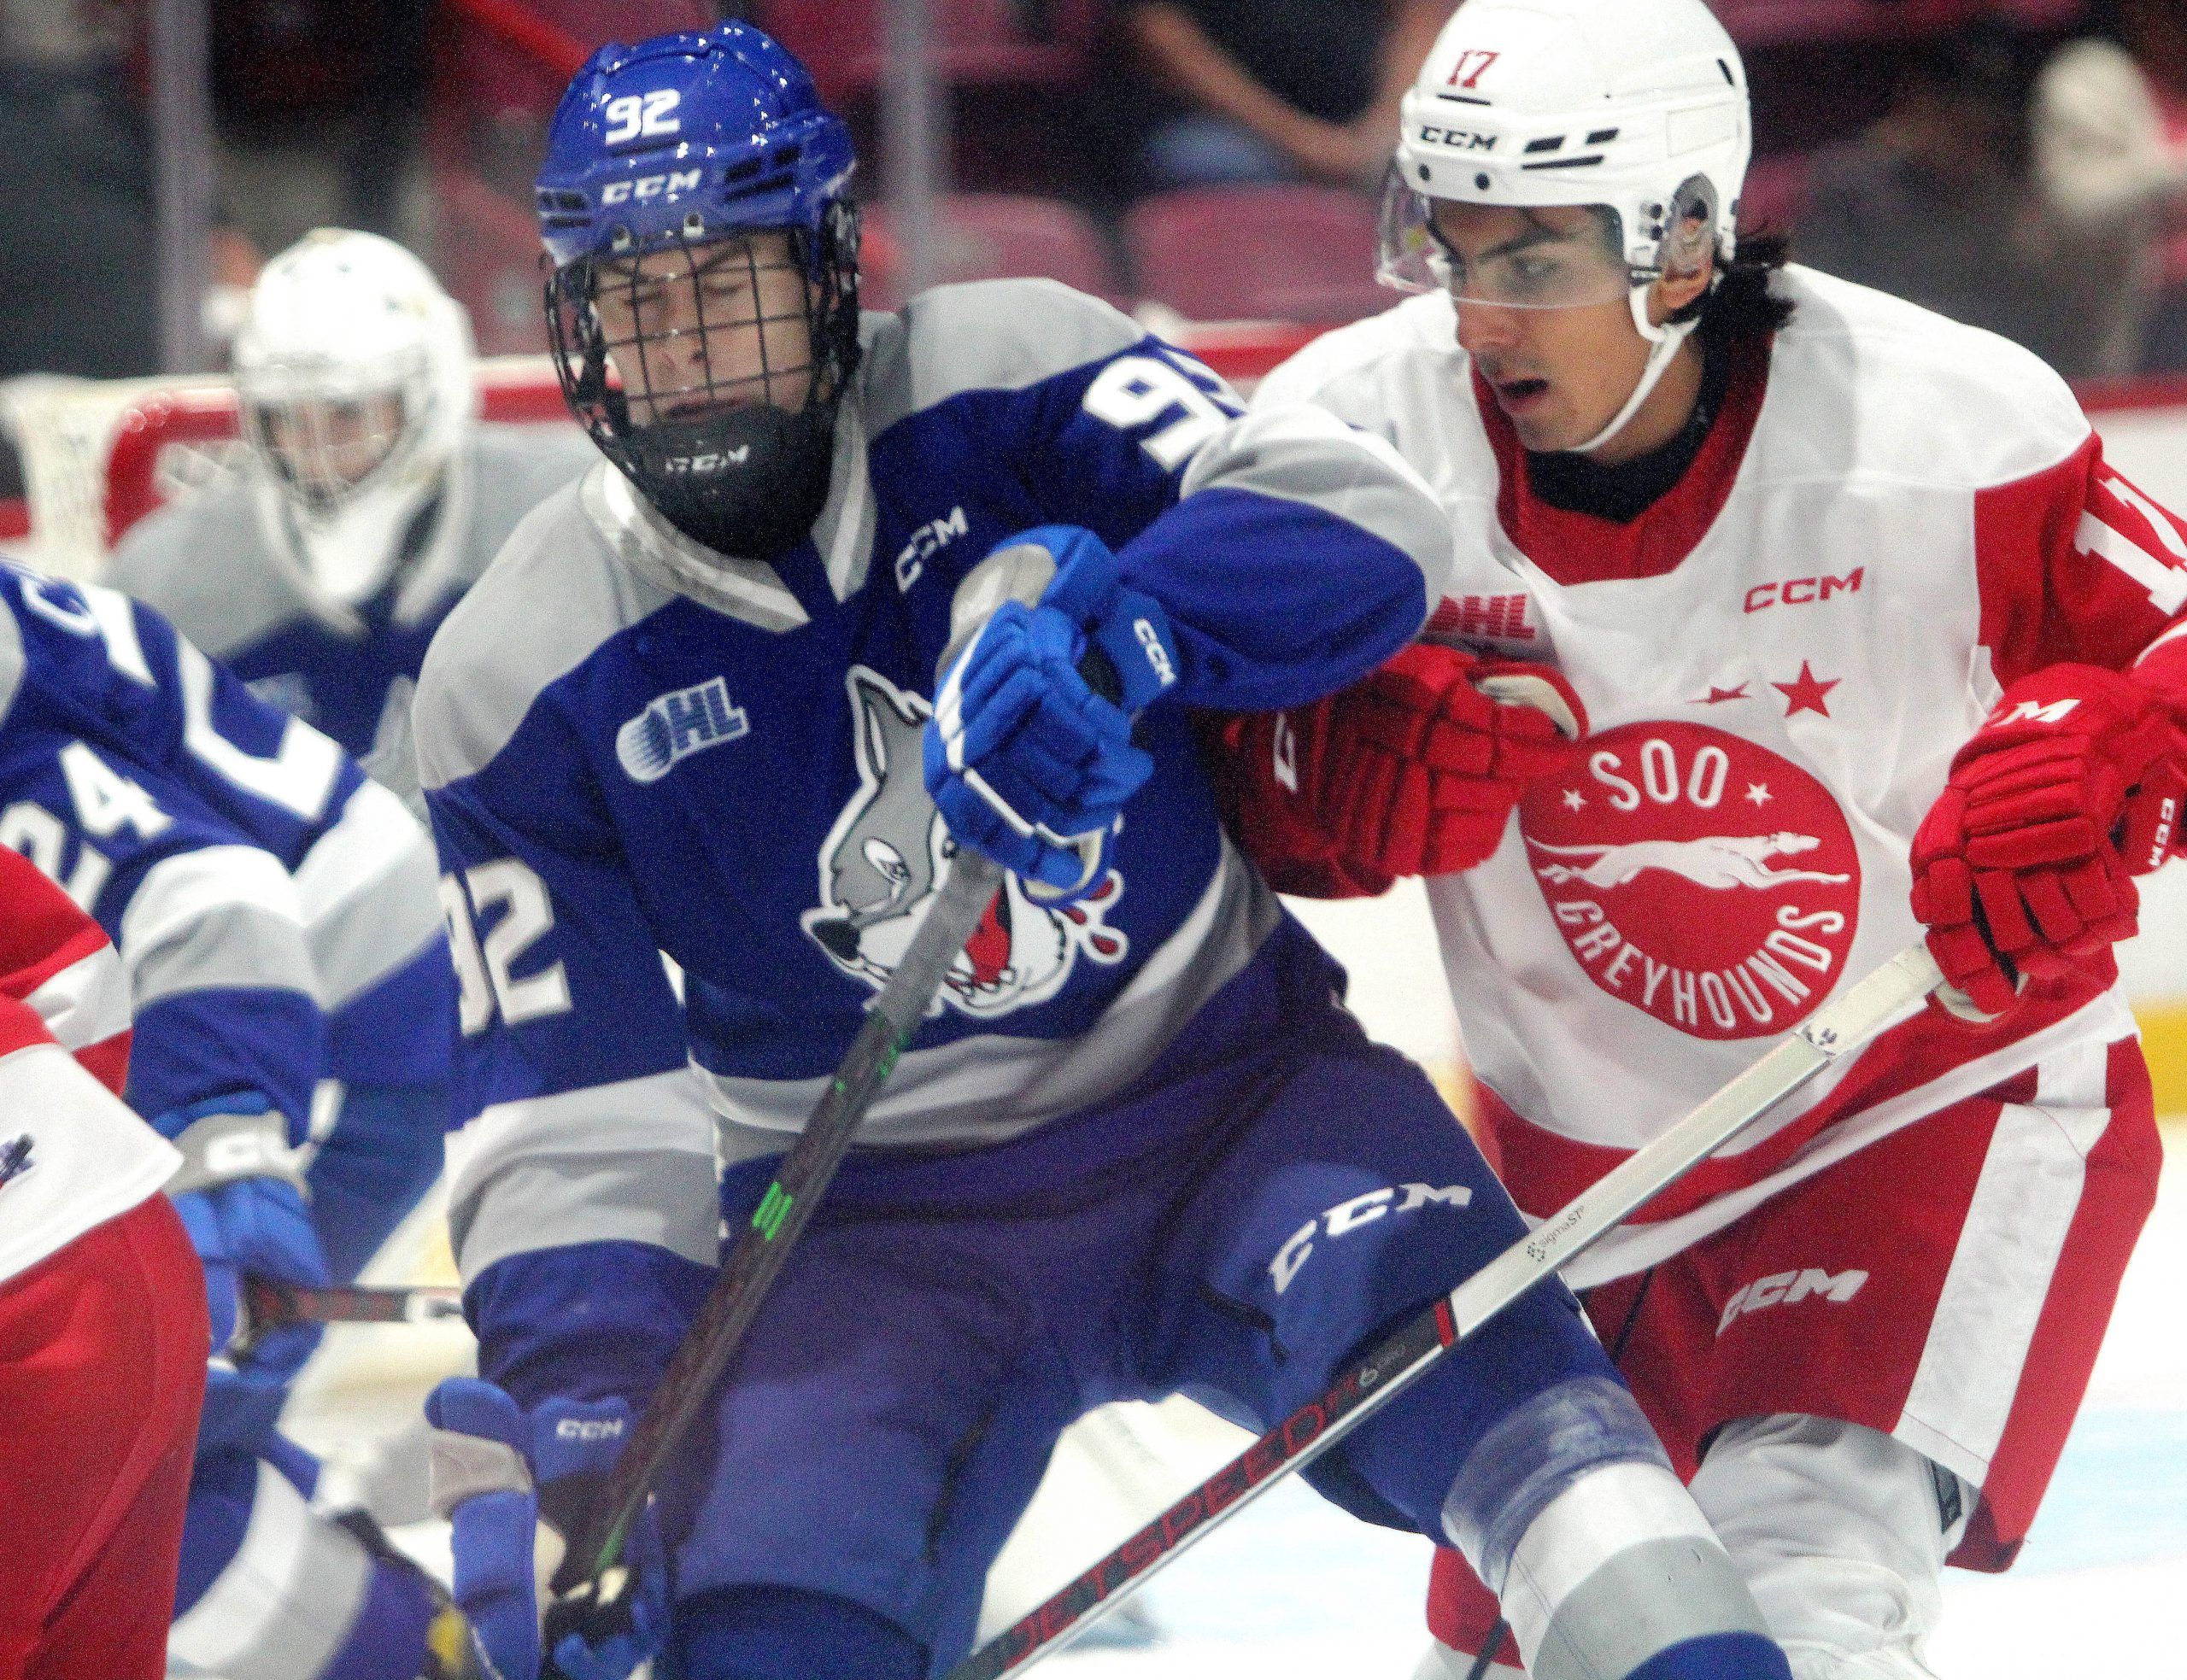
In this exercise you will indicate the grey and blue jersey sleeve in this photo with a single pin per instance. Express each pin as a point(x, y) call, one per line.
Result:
point(581, 1176)
point(578, 1117)
point(1292, 554)
point(125, 767)
point(253, 880)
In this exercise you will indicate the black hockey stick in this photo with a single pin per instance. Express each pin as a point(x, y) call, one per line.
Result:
point(271, 1304)
point(1839, 1029)
point(591, 1584)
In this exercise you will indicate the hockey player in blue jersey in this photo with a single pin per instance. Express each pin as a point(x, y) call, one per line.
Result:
point(370, 498)
point(276, 916)
point(1139, 1146)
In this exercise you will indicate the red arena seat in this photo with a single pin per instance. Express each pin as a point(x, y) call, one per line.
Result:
point(1259, 253)
point(978, 43)
point(987, 236)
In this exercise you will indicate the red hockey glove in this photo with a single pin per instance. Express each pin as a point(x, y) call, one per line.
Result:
point(2025, 866)
point(1413, 771)
point(1267, 768)
point(1428, 756)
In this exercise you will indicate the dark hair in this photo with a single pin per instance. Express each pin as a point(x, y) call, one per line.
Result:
point(1741, 304)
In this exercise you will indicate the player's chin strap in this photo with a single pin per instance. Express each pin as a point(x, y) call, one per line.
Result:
point(1664, 341)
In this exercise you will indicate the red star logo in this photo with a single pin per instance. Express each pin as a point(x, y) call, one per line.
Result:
point(1716, 696)
point(1806, 694)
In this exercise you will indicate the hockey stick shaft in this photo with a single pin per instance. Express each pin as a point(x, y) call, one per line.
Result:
point(1839, 1030)
point(589, 1581)
point(272, 1304)
point(799, 1183)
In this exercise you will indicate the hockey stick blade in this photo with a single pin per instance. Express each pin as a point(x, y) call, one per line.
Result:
point(589, 1586)
point(1839, 1029)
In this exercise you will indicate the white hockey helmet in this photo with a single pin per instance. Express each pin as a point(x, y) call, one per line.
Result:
point(355, 374)
point(1637, 107)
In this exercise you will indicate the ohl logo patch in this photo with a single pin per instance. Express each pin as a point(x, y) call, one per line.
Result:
point(1704, 880)
point(674, 726)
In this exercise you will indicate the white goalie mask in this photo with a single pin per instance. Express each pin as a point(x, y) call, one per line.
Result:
point(355, 374)
point(1638, 108)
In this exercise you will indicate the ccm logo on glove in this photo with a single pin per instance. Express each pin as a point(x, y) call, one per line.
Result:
point(1157, 656)
point(2025, 866)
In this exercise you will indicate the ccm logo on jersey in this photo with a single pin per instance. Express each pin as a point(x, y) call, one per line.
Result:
point(674, 726)
point(1346, 1217)
point(1784, 1289)
point(926, 542)
point(652, 186)
point(1803, 591)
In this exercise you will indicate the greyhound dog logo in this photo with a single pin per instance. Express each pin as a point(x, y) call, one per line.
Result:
point(1714, 860)
point(1638, 855)
point(15, 1158)
point(884, 858)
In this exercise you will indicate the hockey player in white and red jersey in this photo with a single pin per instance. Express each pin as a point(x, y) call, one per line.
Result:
point(1872, 644)
point(102, 1312)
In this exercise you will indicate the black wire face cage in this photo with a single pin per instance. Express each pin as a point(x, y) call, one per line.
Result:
point(706, 326)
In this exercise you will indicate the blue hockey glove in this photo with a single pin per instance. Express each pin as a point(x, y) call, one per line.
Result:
point(1023, 757)
point(241, 1199)
point(493, 1464)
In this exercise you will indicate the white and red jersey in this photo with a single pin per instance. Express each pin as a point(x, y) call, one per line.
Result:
point(72, 1154)
point(1894, 517)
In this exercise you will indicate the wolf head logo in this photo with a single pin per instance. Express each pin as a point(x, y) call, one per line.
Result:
point(883, 860)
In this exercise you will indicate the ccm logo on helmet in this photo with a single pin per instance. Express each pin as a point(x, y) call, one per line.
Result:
point(1464, 139)
point(1785, 1288)
point(651, 186)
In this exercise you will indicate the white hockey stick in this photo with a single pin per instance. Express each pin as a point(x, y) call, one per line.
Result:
point(1840, 1029)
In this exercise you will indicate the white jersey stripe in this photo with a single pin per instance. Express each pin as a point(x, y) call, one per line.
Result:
point(2001, 1269)
point(369, 893)
point(286, 1600)
point(224, 916)
point(86, 1003)
point(2167, 585)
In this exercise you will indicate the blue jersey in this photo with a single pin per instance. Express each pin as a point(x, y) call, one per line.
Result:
point(631, 745)
point(274, 909)
point(215, 566)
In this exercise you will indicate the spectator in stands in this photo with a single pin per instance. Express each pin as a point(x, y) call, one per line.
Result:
point(76, 220)
point(1932, 203)
point(1276, 89)
point(2110, 143)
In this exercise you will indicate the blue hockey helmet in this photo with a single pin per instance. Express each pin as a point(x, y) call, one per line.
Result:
point(708, 359)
